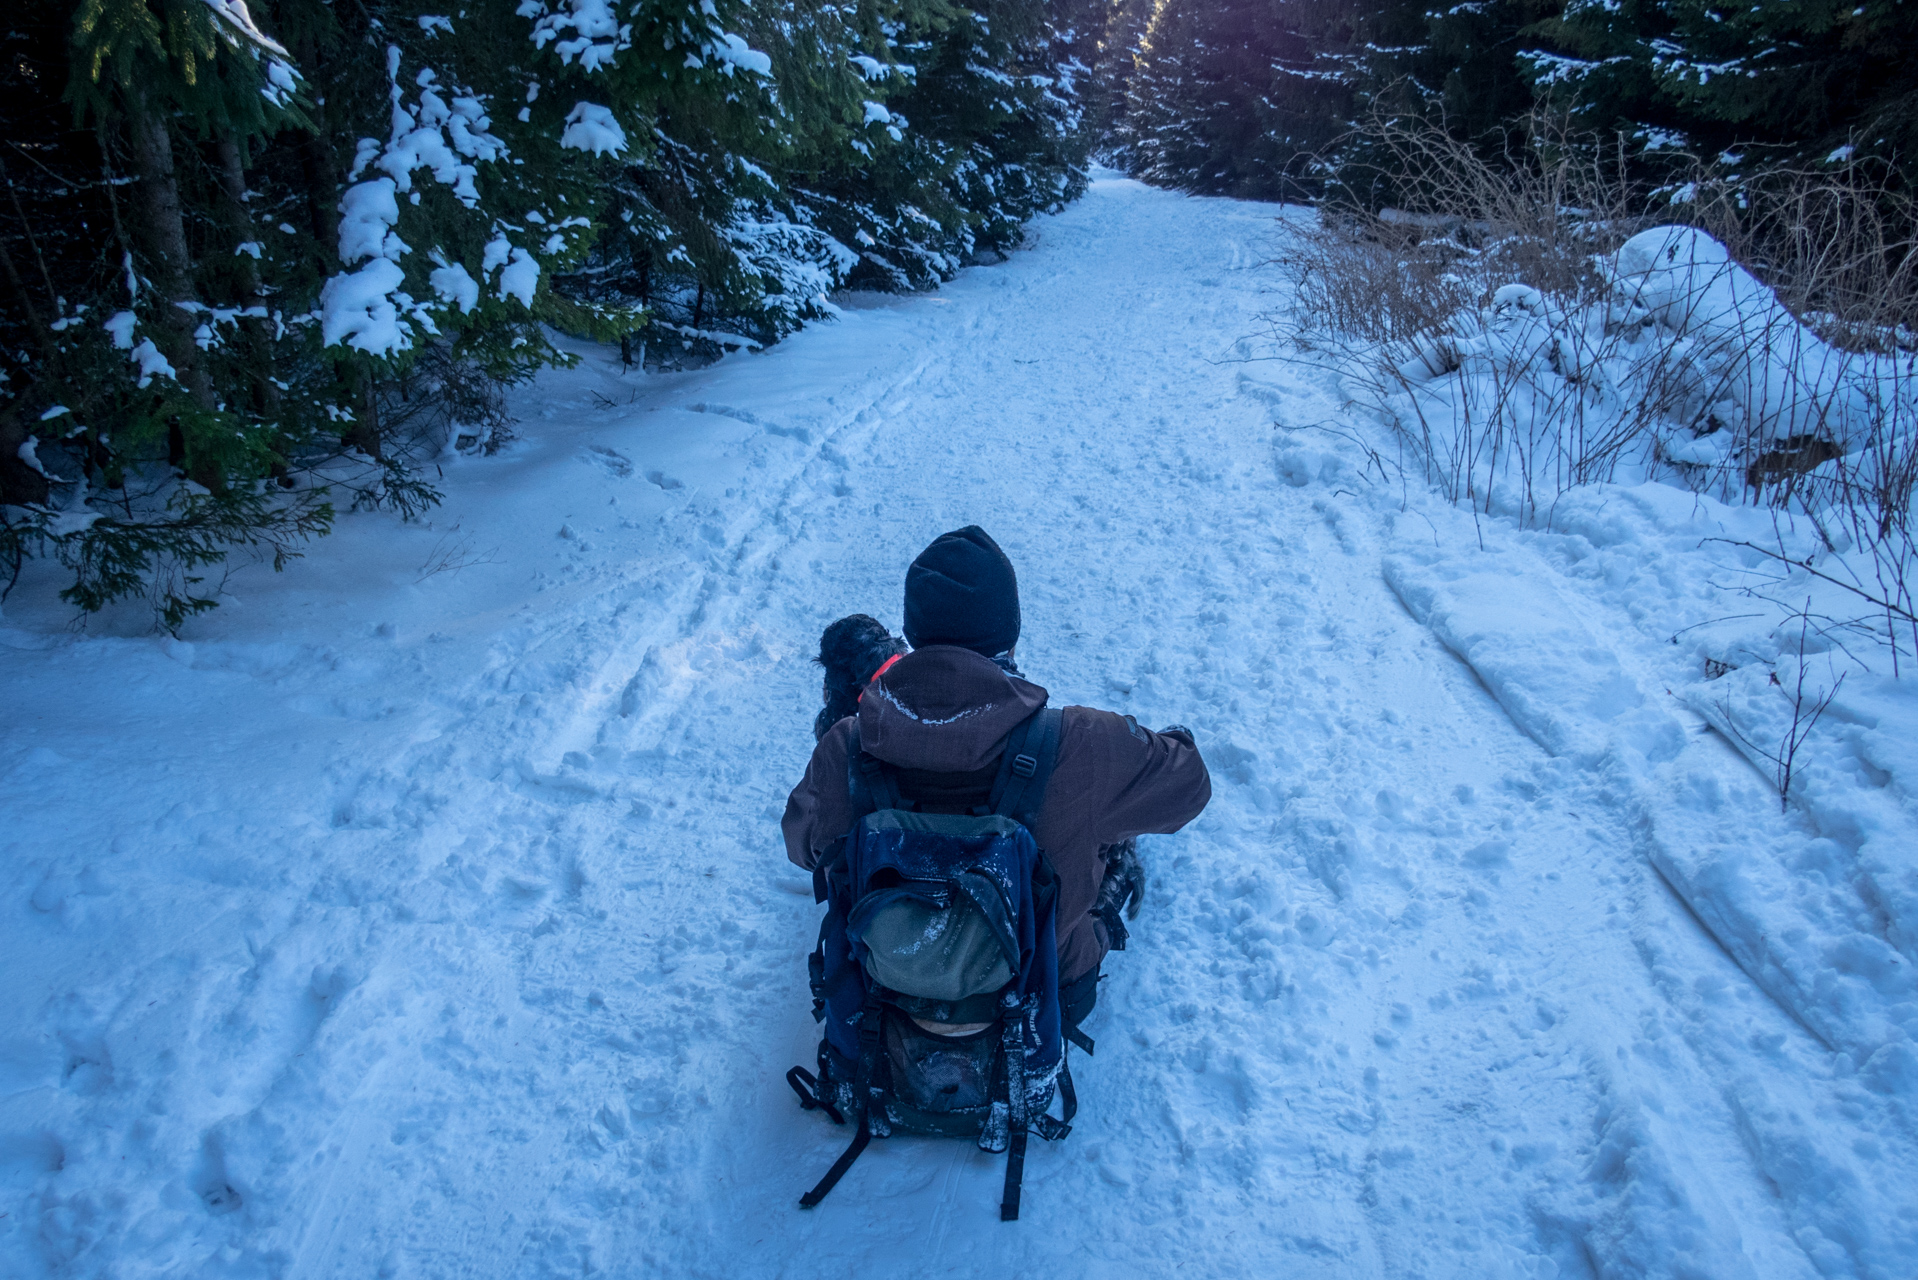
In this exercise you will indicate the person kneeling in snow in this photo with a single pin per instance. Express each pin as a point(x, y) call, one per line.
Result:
point(940, 717)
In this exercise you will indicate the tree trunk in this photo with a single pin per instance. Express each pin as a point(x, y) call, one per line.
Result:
point(238, 219)
point(364, 434)
point(255, 351)
point(20, 483)
point(164, 229)
point(317, 161)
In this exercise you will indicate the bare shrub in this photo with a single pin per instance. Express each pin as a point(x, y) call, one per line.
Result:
point(1807, 709)
point(1835, 244)
point(1412, 295)
point(1536, 212)
point(1840, 249)
point(1486, 322)
point(1363, 277)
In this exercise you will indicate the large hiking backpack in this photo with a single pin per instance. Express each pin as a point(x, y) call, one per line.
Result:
point(937, 971)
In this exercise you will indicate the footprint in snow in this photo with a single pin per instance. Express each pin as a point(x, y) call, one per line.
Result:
point(610, 460)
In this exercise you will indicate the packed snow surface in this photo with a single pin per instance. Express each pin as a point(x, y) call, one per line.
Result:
point(422, 912)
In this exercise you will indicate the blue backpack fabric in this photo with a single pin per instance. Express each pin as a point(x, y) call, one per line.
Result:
point(936, 976)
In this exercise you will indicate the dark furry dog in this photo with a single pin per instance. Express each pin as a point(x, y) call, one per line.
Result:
point(851, 650)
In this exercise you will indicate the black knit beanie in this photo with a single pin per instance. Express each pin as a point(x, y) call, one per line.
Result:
point(962, 590)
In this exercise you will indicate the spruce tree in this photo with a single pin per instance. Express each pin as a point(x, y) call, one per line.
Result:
point(1458, 65)
point(1786, 82)
point(886, 145)
point(1219, 99)
point(261, 260)
point(1120, 47)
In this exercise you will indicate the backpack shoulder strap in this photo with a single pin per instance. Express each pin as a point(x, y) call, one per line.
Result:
point(871, 783)
point(1032, 750)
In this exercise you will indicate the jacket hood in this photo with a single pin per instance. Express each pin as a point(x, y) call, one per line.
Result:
point(945, 709)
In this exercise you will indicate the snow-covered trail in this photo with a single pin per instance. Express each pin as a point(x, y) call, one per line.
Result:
point(426, 924)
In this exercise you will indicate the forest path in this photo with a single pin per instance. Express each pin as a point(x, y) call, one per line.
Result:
point(477, 953)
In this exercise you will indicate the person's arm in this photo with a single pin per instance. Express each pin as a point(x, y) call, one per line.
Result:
point(819, 813)
point(1149, 783)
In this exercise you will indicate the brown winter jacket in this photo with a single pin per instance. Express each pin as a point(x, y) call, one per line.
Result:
point(948, 710)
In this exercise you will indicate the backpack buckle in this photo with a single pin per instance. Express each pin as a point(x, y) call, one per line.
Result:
point(1050, 1129)
point(1024, 766)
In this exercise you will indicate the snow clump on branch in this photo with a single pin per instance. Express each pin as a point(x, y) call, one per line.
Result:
point(447, 133)
point(593, 128)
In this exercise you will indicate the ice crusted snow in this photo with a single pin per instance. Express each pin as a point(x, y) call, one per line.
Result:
point(422, 912)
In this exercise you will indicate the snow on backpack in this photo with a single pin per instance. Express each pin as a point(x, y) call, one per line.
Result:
point(937, 971)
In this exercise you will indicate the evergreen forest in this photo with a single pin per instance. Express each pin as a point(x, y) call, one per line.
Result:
point(266, 261)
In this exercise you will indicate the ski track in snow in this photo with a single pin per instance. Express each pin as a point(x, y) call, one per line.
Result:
point(412, 924)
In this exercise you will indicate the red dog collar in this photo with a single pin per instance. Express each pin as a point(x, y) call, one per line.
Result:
point(883, 668)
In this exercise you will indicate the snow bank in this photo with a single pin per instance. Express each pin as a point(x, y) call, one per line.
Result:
point(1686, 369)
point(1514, 630)
point(1784, 380)
point(1624, 434)
point(1591, 555)
point(1795, 909)
point(1594, 638)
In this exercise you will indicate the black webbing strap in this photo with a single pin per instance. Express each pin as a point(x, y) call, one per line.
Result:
point(822, 870)
point(1015, 1174)
point(811, 1096)
point(1057, 1130)
point(1032, 750)
point(871, 783)
point(839, 1167)
point(864, 1096)
point(1079, 1038)
point(1014, 1042)
point(870, 1017)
